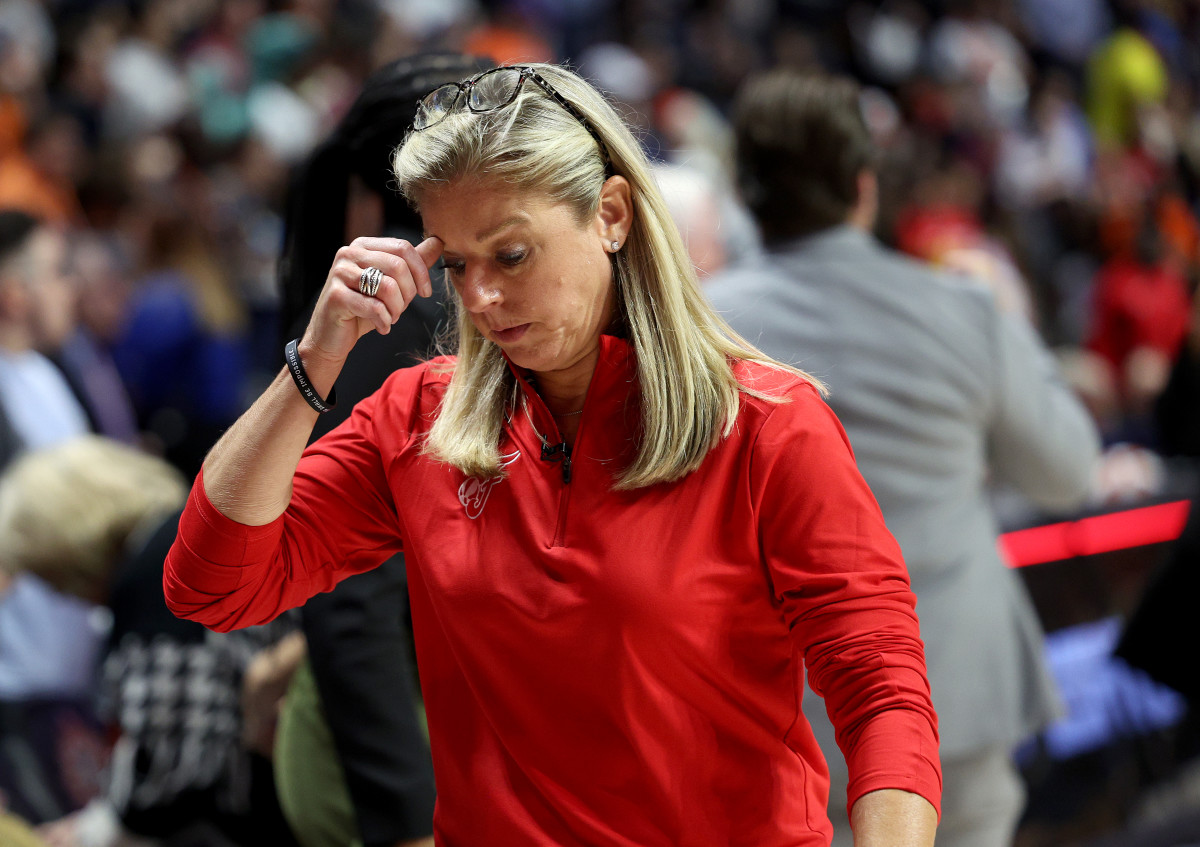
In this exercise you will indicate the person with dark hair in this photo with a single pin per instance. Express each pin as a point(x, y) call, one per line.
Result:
point(941, 393)
point(803, 172)
point(355, 692)
point(628, 532)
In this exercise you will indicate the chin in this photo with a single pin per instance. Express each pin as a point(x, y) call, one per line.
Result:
point(528, 359)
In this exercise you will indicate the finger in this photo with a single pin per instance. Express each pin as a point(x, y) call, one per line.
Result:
point(430, 250)
point(374, 310)
point(398, 258)
point(397, 288)
point(419, 260)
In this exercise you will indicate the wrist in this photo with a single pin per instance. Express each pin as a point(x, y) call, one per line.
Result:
point(313, 375)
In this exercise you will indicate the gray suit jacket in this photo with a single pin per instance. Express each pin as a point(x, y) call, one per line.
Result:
point(939, 393)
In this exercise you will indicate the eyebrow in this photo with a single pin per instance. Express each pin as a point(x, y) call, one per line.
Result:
point(511, 220)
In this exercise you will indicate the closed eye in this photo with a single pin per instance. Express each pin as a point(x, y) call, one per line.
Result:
point(511, 258)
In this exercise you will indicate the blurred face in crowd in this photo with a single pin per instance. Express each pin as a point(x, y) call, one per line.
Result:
point(51, 288)
point(103, 290)
point(37, 298)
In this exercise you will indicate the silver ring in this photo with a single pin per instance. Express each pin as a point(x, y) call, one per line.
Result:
point(368, 281)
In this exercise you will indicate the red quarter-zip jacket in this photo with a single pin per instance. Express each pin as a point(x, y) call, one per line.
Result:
point(609, 667)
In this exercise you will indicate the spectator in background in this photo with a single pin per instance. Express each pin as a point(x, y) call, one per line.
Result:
point(941, 392)
point(94, 518)
point(1138, 323)
point(354, 764)
point(182, 349)
point(695, 206)
point(48, 641)
point(84, 352)
point(41, 177)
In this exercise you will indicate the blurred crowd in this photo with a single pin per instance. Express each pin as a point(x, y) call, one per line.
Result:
point(1049, 147)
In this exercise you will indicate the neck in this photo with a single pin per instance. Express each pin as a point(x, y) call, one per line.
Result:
point(862, 217)
point(563, 390)
point(866, 207)
point(562, 397)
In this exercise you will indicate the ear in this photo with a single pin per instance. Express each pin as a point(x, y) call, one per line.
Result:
point(614, 214)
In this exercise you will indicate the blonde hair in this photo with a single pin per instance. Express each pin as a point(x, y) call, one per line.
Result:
point(67, 512)
point(684, 350)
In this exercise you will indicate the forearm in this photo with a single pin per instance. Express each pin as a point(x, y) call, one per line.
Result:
point(893, 818)
point(248, 473)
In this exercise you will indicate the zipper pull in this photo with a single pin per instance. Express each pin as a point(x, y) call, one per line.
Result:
point(559, 453)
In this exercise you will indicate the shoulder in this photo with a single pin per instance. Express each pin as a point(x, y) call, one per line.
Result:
point(781, 403)
point(432, 375)
point(792, 441)
point(409, 398)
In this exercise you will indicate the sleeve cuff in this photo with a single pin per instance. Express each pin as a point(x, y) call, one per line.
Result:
point(219, 540)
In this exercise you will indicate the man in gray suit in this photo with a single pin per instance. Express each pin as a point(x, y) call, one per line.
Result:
point(941, 394)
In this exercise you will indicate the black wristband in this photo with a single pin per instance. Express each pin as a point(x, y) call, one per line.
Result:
point(296, 368)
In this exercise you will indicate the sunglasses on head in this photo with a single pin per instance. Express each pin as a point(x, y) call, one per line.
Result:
point(491, 90)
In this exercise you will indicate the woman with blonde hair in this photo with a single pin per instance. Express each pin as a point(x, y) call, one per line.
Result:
point(68, 513)
point(627, 531)
point(94, 518)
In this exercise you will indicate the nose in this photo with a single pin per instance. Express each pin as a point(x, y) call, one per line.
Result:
point(479, 291)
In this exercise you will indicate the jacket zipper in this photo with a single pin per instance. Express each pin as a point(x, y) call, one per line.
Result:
point(560, 452)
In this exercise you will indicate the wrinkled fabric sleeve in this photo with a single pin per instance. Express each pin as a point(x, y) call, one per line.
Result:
point(841, 582)
point(341, 520)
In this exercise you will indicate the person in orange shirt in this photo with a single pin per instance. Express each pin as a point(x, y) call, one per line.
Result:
point(40, 176)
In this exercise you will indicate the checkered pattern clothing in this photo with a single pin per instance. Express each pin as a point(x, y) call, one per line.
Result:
point(177, 705)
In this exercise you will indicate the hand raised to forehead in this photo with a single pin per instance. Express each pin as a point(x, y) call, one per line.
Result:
point(344, 313)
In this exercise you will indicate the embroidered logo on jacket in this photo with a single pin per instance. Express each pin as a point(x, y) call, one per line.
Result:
point(473, 493)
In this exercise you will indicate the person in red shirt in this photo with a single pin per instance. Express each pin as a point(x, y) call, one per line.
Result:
point(1139, 320)
point(628, 532)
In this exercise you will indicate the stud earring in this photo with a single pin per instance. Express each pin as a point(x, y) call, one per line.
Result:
point(616, 245)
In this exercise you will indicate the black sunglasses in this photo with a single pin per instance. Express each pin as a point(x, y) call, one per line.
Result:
point(491, 90)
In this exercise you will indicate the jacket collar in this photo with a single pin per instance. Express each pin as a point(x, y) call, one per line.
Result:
point(611, 415)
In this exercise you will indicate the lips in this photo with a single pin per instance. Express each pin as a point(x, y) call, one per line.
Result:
point(508, 336)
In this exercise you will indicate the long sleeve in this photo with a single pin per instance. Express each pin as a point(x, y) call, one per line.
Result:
point(341, 520)
point(1041, 438)
point(840, 578)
